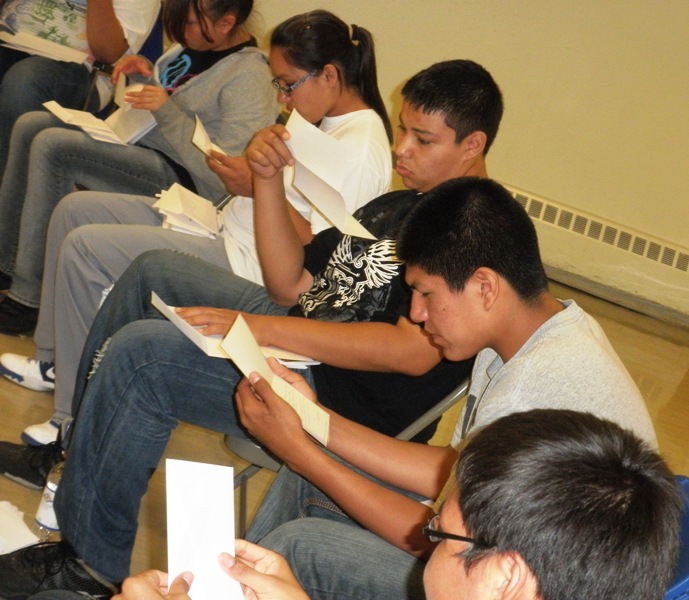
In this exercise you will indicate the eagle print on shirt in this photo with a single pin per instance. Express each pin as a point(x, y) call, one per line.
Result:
point(355, 283)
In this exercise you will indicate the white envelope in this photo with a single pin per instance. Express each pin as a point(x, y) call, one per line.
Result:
point(200, 525)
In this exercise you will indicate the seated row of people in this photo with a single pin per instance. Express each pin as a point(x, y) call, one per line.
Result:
point(395, 323)
point(82, 262)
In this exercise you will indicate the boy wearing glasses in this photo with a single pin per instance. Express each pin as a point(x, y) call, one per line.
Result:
point(546, 504)
point(478, 286)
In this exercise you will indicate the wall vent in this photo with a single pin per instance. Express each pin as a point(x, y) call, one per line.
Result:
point(605, 232)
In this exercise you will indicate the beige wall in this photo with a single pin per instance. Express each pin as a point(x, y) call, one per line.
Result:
point(596, 91)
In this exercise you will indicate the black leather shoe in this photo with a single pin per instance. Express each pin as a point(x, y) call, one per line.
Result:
point(50, 566)
point(29, 465)
point(16, 318)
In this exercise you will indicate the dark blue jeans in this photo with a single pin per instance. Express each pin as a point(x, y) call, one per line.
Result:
point(147, 376)
point(29, 81)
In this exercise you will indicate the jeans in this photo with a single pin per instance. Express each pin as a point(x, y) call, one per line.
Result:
point(59, 158)
point(87, 250)
point(332, 556)
point(148, 377)
point(29, 81)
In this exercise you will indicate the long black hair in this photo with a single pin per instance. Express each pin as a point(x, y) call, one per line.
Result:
point(317, 38)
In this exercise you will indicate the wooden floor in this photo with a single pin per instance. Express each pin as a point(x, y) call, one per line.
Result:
point(656, 354)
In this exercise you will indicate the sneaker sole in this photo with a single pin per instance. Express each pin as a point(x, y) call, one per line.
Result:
point(19, 380)
point(23, 482)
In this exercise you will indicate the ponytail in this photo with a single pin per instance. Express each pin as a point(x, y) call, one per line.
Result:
point(317, 38)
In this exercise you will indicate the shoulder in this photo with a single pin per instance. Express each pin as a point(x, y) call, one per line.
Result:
point(384, 215)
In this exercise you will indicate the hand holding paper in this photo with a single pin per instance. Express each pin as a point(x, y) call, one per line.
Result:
point(200, 526)
point(241, 345)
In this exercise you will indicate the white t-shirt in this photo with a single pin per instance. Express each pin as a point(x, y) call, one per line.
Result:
point(368, 176)
point(568, 363)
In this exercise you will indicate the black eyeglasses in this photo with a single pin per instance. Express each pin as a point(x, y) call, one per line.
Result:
point(288, 89)
point(434, 535)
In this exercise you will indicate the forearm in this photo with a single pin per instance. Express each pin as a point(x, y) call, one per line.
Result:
point(391, 515)
point(279, 247)
point(104, 32)
point(419, 468)
point(380, 347)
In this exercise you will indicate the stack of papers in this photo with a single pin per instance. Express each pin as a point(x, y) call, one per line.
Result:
point(125, 126)
point(187, 212)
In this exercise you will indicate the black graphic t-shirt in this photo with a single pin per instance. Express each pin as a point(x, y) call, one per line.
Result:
point(359, 280)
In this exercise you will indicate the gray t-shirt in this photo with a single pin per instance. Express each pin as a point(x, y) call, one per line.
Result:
point(567, 363)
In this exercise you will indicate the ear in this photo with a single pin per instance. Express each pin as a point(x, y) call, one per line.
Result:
point(489, 286)
point(475, 144)
point(511, 578)
point(330, 75)
point(227, 22)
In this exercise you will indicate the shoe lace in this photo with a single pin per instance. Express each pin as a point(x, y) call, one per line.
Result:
point(46, 560)
point(44, 458)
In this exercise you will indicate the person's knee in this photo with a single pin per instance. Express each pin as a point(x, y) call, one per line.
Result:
point(54, 146)
point(74, 250)
point(27, 84)
point(298, 541)
point(151, 264)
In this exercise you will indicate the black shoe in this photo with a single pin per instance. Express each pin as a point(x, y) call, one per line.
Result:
point(50, 566)
point(29, 465)
point(5, 281)
point(16, 318)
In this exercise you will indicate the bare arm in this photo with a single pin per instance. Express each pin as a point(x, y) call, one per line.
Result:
point(415, 467)
point(278, 242)
point(103, 31)
point(368, 346)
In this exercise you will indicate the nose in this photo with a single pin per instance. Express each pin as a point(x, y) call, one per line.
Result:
point(401, 146)
point(417, 310)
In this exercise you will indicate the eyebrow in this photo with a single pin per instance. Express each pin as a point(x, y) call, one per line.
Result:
point(417, 129)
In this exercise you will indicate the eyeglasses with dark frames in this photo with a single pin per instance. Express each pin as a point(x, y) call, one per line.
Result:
point(434, 535)
point(288, 89)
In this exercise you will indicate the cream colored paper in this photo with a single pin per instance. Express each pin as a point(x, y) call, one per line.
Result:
point(211, 344)
point(14, 533)
point(185, 211)
point(202, 140)
point(319, 172)
point(245, 352)
point(200, 525)
point(122, 127)
point(37, 46)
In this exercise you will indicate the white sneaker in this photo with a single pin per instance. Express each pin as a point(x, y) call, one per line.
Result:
point(41, 434)
point(28, 372)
